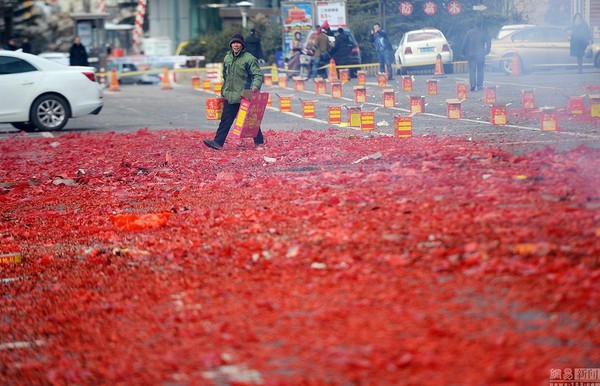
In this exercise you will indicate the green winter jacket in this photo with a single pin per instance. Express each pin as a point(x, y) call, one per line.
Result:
point(240, 73)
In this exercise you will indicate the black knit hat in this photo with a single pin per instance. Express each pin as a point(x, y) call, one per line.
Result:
point(239, 38)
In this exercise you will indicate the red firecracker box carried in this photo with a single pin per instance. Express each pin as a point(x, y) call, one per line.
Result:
point(250, 115)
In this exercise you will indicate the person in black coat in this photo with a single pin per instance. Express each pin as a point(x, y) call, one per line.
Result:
point(11, 45)
point(476, 46)
point(383, 47)
point(25, 45)
point(253, 44)
point(77, 54)
point(580, 39)
point(342, 48)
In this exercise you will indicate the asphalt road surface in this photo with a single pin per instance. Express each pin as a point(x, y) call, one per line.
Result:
point(137, 107)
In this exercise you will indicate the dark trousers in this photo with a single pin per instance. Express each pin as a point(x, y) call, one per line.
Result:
point(476, 65)
point(230, 111)
point(385, 60)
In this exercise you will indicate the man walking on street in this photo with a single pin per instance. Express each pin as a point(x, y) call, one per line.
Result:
point(476, 46)
point(240, 72)
point(384, 50)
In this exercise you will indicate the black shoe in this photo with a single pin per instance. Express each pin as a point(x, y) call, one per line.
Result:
point(212, 144)
point(473, 88)
point(391, 78)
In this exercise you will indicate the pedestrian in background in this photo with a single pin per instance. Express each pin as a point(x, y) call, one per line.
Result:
point(321, 52)
point(253, 45)
point(240, 72)
point(580, 39)
point(78, 54)
point(25, 45)
point(11, 44)
point(384, 50)
point(342, 48)
point(476, 46)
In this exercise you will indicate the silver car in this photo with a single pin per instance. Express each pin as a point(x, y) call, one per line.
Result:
point(536, 47)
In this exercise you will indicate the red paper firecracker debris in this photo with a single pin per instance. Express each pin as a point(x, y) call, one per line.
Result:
point(336, 89)
point(268, 79)
point(360, 94)
point(432, 87)
point(345, 75)
point(354, 116)
point(576, 105)
point(407, 83)
point(334, 114)
point(489, 95)
point(403, 127)
point(320, 86)
point(461, 90)
point(285, 104)
point(499, 115)
point(549, 119)
point(367, 120)
point(138, 221)
point(528, 99)
point(308, 109)
point(361, 77)
point(214, 108)
point(299, 83)
point(454, 108)
point(389, 98)
point(417, 104)
point(381, 80)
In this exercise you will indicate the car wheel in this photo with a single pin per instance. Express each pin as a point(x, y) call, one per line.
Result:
point(506, 64)
point(50, 112)
point(24, 126)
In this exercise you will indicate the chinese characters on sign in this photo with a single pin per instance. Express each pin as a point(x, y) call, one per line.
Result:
point(430, 8)
point(454, 8)
point(406, 8)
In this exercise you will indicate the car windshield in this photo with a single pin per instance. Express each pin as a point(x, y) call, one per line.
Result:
point(422, 36)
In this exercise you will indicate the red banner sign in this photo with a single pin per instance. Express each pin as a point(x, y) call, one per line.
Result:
point(454, 8)
point(406, 8)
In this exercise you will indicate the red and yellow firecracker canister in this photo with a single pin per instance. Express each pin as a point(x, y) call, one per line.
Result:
point(282, 80)
point(595, 105)
point(320, 86)
point(217, 87)
point(489, 95)
point(454, 108)
point(367, 120)
point(407, 83)
point(417, 104)
point(334, 115)
point(361, 77)
point(403, 127)
point(549, 119)
point(461, 90)
point(285, 103)
point(344, 75)
point(308, 109)
point(299, 84)
point(389, 98)
point(214, 108)
point(576, 105)
point(528, 99)
point(206, 85)
point(268, 79)
point(196, 82)
point(336, 89)
point(360, 94)
point(381, 80)
point(10, 258)
point(432, 87)
point(499, 115)
point(270, 100)
point(354, 116)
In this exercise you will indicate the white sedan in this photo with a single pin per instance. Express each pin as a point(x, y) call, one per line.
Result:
point(36, 93)
point(421, 47)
